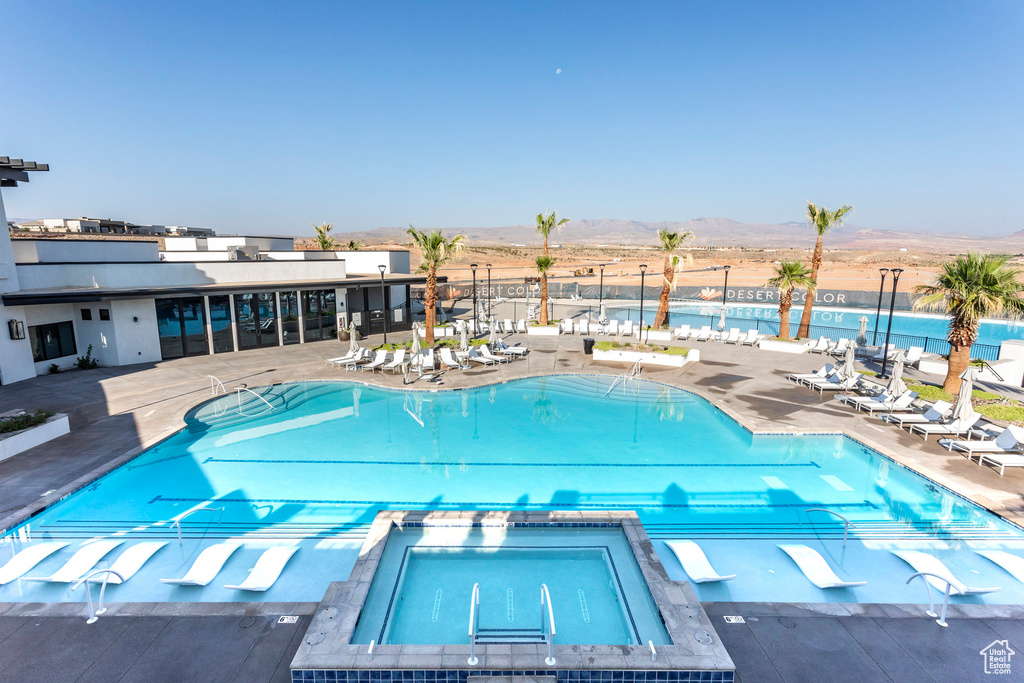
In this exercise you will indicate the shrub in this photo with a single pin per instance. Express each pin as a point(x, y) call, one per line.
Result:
point(54, 369)
point(647, 348)
point(19, 422)
point(87, 362)
point(996, 411)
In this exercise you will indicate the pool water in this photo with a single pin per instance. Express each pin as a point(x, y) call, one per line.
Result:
point(315, 470)
point(422, 589)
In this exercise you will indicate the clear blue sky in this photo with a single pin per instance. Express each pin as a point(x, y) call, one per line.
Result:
point(264, 117)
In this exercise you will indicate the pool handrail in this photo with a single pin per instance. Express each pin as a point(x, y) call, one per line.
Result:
point(94, 615)
point(846, 522)
point(941, 621)
point(474, 600)
point(545, 597)
point(177, 522)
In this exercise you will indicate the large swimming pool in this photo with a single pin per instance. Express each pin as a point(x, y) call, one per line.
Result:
point(314, 471)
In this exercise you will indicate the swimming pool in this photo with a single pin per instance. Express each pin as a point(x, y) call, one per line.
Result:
point(313, 473)
point(423, 585)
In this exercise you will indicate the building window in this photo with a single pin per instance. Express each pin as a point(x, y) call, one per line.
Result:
point(104, 314)
point(86, 314)
point(55, 340)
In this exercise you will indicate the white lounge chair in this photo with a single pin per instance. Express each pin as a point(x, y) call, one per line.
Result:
point(351, 359)
point(207, 565)
point(28, 558)
point(750, 339)
point(396, 361)
point(815, 568)
point(914, 355)
point(855, 400)
point(380, 357)
point(1009, 441)
point(130, 561)
point(1001, 460)
point(267, 569)
point(80, 563)
point(681, 332)
point(339, 359)
point(935, 414)
point(476, 357)
point(822, 346)
point(521, 326)
point(583, 326)
point(953, 428)
point(704, 334)
point(1011, 564)
point(509, 327)
point(428, 359)
point(695, 562)
point(834, 383)
point(612, 328)
point(566, 327)
point(734, 336)
point(840, 347)
point(511, 350)
point(820, 373)
point(899, 404)
point(923, 562)
point(448, 360)
point(485, 351)
point(627, 329)
point(881, 352)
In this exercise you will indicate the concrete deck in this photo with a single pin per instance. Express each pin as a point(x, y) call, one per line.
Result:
point(117, 412)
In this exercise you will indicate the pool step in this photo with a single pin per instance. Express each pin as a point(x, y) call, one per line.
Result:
point(510, 635)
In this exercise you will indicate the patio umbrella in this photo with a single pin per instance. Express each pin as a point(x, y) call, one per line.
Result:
point(849, 371)
point(721, 320)
point(463, 337)
point(963, 409)
point(862, 333)
point(494, 333)
point(896, 385)
point(603, 316)
point(353, 340)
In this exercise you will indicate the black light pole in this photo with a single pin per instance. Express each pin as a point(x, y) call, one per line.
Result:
point(643, 271)
point(383, 302)
point(878, 309)
point(475, 322)
point(725, 295)
point(600, 291)
point(488, 291)
point(892, 303)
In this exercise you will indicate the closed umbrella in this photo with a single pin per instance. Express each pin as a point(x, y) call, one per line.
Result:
point(721, 320)
point(963, 410)
point(896, 385)
point(849, 371)
point(463, 337)
point(414, 352)
point(603, 317)
point(353, 340)
point(862, 333)
point(494, 333)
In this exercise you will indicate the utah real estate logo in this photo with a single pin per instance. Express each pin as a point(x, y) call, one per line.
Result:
point(997, 657)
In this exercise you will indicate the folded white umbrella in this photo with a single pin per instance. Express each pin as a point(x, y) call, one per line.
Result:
point(897, 387)
point(603, 316)
point(494, 332)
point(463, 337)
point(415, 351)
point(862, 332)
point(849, 371)
point(963, 410)
point(721, 320)
point(353, 340)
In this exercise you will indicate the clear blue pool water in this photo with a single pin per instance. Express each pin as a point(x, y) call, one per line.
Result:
point(421, 592)
point(316, 470)
point(990, 332)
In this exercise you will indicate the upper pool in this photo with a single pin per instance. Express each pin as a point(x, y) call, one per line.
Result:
point(314, 472)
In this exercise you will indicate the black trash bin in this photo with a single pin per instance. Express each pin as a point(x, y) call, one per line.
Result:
point(588, 346)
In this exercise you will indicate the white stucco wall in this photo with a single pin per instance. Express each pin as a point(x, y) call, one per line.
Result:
point(99, 333)
point(52, 313)
point(83, 251)
point(366, 262)
point(137, 342)
point(15, 355)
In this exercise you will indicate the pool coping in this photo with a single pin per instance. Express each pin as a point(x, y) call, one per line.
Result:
point(327, 644)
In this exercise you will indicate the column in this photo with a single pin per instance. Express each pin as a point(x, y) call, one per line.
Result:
point(302, 318)
point(234, 322)
point(209, 324)
point(277, 322)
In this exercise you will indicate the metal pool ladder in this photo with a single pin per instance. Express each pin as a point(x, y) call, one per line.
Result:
point(482, 636)
point(628, 374)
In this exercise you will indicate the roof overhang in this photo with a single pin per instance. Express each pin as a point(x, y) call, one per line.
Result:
point(14, 171)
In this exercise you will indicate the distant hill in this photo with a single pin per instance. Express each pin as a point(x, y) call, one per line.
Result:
point(719, 232)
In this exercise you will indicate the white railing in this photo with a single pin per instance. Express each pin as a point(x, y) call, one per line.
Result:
point(846, 522)
point(628, 374)
point(177, 522)
point(549, 623)
point(369, 651)
point(94, 615)
point(238, 392)
point(941, 621)
point(474, 602)
point(215, 384)
point(654, 653)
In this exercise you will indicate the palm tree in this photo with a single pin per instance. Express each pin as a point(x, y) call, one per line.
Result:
point(353, 245)
point(544, 264)
point(969, 288)
point(789, 275)
point(435, 251)
point(548, 222)
point(670, 241)
point(821, 219)
point(324, 242)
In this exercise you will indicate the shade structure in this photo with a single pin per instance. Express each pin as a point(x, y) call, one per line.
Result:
point(849, 370)
point(963, 410)
point(862, 332)
point(896, 384)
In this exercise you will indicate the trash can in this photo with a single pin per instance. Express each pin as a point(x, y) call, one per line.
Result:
point(588, 346)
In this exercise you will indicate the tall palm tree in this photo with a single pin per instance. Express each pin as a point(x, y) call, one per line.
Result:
point(669, 241)
point(821, 219)
point(544, 264)
point(324, 242)
point(436, 251)
point(789, 275)
point(969, 288)
point(547, 223)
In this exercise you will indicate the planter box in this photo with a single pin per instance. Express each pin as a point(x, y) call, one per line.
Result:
point(542, 331)
point(18, 442)
point(444, 332)
point(783, 346)
point(656, 335)
point(646, 358)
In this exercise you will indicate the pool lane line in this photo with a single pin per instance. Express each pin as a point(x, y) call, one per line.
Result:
point(499, 464)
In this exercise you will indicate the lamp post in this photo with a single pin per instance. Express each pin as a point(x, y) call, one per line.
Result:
point(475, 325)
point(878, 308)
point(600, 291)
point(892, 304)
point(725, 295)
point(643, 271)
point(488, 291)
point(383, 302)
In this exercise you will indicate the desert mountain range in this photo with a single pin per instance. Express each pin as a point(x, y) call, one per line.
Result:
point(719, 232)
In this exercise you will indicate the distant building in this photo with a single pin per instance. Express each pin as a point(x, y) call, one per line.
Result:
point(106, 226)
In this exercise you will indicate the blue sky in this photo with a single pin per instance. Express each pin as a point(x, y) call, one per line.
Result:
point(264, 117)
